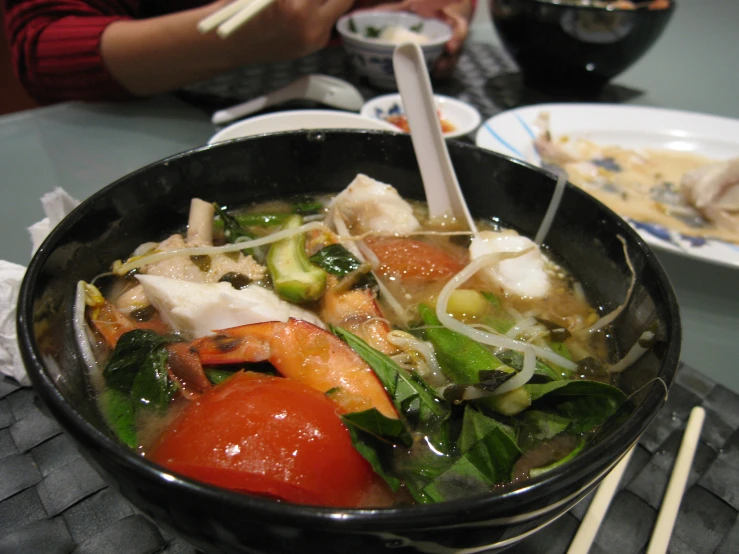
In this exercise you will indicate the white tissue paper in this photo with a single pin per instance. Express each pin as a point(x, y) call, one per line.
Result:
point(56, 205)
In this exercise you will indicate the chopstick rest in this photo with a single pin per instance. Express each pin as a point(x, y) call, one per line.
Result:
point(676, 487)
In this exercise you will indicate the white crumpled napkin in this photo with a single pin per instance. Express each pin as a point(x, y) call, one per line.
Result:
point(56, 204)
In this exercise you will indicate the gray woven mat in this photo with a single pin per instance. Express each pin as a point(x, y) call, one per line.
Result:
point(52, 501)
point(485, 77)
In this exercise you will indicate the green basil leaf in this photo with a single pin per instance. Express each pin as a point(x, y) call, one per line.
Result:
point(119, 412)
point(515, 360)
point(587, 403)
point(461, 358)
point(375, 423)
point(574, 388)
point(336, 260)
point(488, 451)
point(535, 472)
point(129, 355)
point(536, 426)
point(152, 387)
point(412, 397)
point(377, 452)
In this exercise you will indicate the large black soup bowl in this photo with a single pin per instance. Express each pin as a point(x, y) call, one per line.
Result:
point(574, 50)
point(152, 202)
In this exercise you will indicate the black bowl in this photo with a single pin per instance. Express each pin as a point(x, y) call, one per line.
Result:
point(153, 201)
point(573, 50)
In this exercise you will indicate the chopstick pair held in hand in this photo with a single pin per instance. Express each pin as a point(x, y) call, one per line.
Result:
point(232, 16)
point(670, 503)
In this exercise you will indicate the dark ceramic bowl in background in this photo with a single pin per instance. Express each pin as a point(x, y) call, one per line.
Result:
point(574, 50)
point(152, 202)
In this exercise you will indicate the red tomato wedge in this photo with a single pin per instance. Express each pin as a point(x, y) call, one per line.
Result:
point(414, 260)
point(268, 436)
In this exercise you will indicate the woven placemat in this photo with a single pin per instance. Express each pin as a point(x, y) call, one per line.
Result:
point(485, 77)
point(53, 502)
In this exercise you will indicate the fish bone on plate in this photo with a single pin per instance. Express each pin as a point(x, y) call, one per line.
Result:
point(643, 163)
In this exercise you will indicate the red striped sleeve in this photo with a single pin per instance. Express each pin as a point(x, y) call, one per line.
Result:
point(56, 47)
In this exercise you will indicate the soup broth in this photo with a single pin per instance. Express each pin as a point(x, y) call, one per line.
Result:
point(349, 351)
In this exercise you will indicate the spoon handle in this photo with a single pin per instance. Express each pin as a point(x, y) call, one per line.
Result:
point(443, 194)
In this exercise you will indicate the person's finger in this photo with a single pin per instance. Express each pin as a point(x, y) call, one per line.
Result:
point(390, 7)
point(334, 9)
point(460, 28)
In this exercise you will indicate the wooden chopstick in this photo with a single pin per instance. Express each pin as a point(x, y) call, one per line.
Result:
point(676, 487)
point(598, 507)
point(232, 16)
point(244, 15)
point(670, 503)
point(216, 18)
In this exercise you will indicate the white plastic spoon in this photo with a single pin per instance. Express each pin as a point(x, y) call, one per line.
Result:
point(443, 195)
point(327, 90)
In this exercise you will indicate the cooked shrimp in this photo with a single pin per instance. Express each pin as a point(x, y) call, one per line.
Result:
point(356, 311)
point(301, 351)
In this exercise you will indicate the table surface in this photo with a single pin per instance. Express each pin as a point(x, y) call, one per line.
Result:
point(83, 147)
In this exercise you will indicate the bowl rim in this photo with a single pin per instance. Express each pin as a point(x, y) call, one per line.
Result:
point(641, 7)
point(347, 519)
point(343, 29)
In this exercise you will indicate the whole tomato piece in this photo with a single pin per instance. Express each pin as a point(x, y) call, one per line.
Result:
point(268, 436)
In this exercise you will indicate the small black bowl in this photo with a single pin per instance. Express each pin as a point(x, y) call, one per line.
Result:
point(574, 50)
point(153, 201)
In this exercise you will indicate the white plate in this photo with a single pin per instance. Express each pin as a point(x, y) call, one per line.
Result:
point(464, 117)
point(512, 133)
point(299, 119)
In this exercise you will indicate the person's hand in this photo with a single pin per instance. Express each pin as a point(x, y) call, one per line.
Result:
point(287, 29)
point(455, 13)
point(159, 54)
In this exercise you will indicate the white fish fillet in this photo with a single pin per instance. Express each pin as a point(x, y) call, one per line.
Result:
point(198, 309)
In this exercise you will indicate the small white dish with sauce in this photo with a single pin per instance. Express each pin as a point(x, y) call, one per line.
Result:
point(629, 127)
point(462, 118)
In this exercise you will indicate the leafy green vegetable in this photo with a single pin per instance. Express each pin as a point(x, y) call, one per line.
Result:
point(536, 426)
point(374, 436)
point(137, 378)
point(488, 451)
point(535, 472)
point(373, 422)
point(152, 387)
point(337, 260)
point(131, 354)
point(411, 396)
point(461, 358)
point(353, 26)
point(372, 32)
point(417, 28)
point(232, 228)
point(306, 206)
point(500, 320)
point(120, 414)
point(587, 403)
point(515, 360)
point(217, 376)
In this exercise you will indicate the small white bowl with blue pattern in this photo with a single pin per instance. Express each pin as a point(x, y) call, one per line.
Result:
point(462, 117)
point(373, 57)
